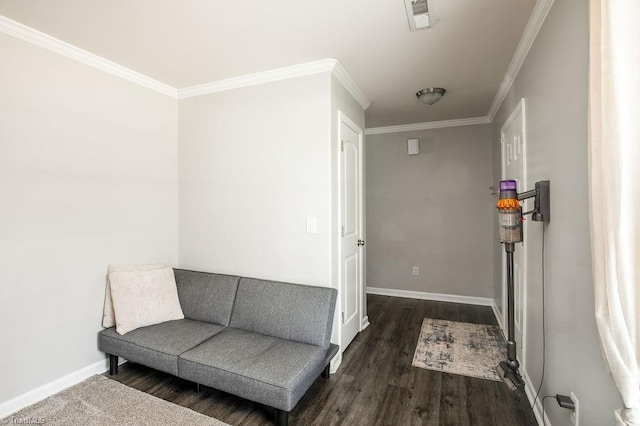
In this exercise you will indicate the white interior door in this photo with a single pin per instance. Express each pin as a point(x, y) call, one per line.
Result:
point(351, 226)
point(513, 141)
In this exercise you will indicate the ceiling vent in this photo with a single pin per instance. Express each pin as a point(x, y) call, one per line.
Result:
point(418, 14)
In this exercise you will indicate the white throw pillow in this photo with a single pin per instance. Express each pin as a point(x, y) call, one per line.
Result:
point(142, 298)
point(108, 318)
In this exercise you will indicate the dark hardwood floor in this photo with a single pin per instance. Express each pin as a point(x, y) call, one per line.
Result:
point(375, 385)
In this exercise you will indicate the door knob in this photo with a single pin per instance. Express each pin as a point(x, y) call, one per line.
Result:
point(360, 242)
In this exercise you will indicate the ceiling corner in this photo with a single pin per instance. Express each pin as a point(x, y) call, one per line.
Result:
point(339, 72)
point(538, 15)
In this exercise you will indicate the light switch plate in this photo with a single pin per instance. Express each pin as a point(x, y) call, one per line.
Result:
point(413, 146)
point(312, 227)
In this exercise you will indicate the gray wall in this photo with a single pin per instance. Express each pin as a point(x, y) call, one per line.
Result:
point(254, 163)
point(433, 210)
point(553, 80)
point(88, 177)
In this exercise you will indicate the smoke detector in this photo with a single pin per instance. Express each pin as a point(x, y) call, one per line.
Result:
point(418, 14)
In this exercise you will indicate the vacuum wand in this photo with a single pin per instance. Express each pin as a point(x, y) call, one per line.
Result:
point(511, 232)
point(509, 249)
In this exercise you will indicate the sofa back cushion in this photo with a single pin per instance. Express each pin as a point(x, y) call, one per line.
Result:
point(289, 311)
point(206, 297)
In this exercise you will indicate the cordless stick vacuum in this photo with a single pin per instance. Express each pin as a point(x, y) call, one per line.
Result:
point(510, 227)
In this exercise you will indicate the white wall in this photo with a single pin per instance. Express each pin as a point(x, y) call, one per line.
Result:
point(433, 210)
point(88, 176)
point(553, 80)
point(254, 163)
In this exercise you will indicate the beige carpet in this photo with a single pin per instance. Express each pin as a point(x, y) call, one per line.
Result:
point(460, 348)
point(102, 401)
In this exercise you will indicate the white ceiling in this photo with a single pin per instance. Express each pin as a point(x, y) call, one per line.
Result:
point(189, 42)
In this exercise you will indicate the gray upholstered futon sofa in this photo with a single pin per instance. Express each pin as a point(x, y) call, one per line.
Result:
point(261, 340)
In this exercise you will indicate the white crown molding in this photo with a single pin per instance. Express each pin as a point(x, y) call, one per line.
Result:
point(440, 297)
point(341, 75)
point(285, 73)
point(427, 126)
point(53, 44)
point(324, 65)
point(538, 15)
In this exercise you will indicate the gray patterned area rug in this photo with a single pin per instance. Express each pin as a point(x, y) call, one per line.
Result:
point(102, 401)
point(460, 348)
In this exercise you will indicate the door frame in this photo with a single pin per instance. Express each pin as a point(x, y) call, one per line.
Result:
point(344, 119)
point(519, 110)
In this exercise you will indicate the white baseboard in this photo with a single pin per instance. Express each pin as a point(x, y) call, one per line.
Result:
point(468, 300)
point(440, 297)
point(530, 391)
point(364, 323)
point(19, 402)
point(496, 313)
point(335, 363)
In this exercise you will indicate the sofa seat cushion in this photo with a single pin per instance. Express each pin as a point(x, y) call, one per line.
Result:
point(261, 368)
point(158, 346)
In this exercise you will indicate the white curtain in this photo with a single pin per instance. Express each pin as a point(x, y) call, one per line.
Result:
point(614, 185)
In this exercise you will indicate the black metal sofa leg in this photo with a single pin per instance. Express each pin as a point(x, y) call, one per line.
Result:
point(113, 365)
point(326, 372)
point(282, 417)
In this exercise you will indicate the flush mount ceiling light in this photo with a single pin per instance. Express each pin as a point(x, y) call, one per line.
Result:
point(418, 14)
point(431, 95)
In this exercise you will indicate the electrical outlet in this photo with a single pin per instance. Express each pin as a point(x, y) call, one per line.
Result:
point(416, 270)
point(575, 415)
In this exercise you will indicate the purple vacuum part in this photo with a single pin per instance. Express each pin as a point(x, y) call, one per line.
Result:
point(508, 185)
